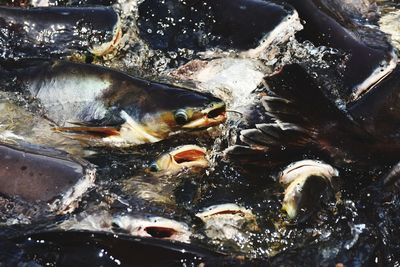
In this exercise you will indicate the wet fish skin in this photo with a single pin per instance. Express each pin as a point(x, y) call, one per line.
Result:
point(40, 175)
point(200, 25)
point(378, 111)
point(323, 28)
point(77, 248)
point(321, 126)
point(57, 31)
point(103, 103)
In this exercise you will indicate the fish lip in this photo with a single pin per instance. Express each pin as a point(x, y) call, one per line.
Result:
point(206, 120)
point(198, 160)
point(108, 47)
point(182, 158)
point(375, 78)
point(305, 168)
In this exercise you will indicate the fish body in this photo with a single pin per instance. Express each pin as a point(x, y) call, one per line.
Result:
point(225, 24)
point(304, 119)
point(77, 248)
point(378, 111)
point(58, 31)
point(338, 25)
point(114, 107)
point(39, 175)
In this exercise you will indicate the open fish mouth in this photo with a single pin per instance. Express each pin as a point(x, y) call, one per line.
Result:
point(212, 116)
point(183, 157)
point(155, 227)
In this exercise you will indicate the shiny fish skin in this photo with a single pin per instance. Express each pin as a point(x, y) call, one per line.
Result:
point(112, 107)
point(57, 31)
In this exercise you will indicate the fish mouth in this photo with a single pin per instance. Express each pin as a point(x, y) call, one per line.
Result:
point(189, 156)
point(184, 157)
point(379, 74)
point(108, 47)
point(211, 116)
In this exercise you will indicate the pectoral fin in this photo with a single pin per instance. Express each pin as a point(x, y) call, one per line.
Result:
point(93, 132)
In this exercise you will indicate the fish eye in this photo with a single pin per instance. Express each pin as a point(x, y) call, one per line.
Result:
point(181, 116)
point(153, 167)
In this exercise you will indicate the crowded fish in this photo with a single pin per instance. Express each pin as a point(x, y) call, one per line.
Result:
point(200, 133)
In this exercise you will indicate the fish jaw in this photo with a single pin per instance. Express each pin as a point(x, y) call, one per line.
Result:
point(305, 168)
point(209, 117)
point(155, 227)
point(380, 73)
point(184, 157)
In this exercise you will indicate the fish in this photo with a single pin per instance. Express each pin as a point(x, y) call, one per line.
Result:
point(158, 182)
point(135, 225)
point(228, 221)
point(299, 169)
point(43, 175)
point(239, 25)
point(348, 30)
point(91, 248)
point(306, 182)
point(153, 226)
point(378, 111)
point(190, 157)
point(54, 32)
point(108, 107)
point(305, 119)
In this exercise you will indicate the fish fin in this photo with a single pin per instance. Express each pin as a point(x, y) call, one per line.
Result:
point(305, 120)
point(304, 104)
point(275, 134)
point(298, 99)
point(269, 144)
point(245, 154)
point(91, 132)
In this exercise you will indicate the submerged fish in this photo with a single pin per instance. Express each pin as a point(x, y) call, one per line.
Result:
point(134, 225)
point(184, 157)
point(364, 135)
point(153, 226)
point(107, 106)
point(344, 25)
point(39, 175)
point(78, 248)
point(57, 31)
point(306, 183)
point(228, 221)
point(161, 179)
point(248, 26)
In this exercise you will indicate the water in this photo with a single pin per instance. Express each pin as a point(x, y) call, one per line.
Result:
point(358, 228)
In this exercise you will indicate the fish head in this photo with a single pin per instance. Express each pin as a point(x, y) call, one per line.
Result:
point(176, 109)
point(184, 157)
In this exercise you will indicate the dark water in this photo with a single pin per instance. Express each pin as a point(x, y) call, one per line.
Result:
point(357, 228)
